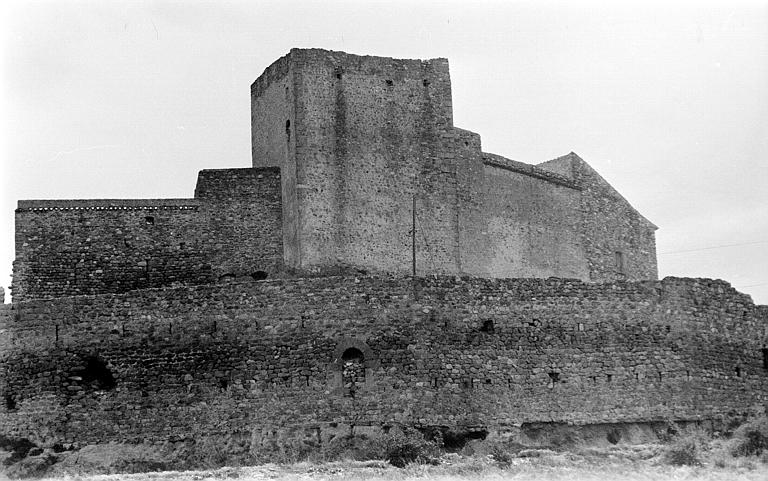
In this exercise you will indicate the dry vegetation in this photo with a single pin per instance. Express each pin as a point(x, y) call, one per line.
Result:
point(690, 454)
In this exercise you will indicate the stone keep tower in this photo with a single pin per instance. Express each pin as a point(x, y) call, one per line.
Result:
point(357, 139)
point(364, 142)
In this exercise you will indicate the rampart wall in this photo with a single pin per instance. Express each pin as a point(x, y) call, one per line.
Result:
point(69, 247)
point(268, 362)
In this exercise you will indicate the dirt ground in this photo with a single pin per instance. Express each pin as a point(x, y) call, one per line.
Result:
point(545, 466)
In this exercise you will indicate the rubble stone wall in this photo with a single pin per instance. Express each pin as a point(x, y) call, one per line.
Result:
point(300, 358)
point(364, 142)
point(71, 247)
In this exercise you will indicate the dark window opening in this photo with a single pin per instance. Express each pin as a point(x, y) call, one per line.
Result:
point(259, 275)
point(425, 82)
point(489, 381)
point(668, 328)
point(389, 83)
point(466, 144)
point(288, 130)
point(554, 378)
point(182, 245)
point(661, 376)
point(738, 371)
point(150, 220)
point(609, 377)
point(765, 357)
point(687, 375)
point(352, 371)
point(338, 72)
point(613, 436)
point(10, 403)
point(619, 262)
point(57, 333)
point(487, 326)
point(97, 374)
point(223, 384)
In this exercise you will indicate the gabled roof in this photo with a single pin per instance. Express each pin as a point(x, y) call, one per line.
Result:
point(574, 167)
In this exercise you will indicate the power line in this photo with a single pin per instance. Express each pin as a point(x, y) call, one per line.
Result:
point(716, 247)
point(752, 285)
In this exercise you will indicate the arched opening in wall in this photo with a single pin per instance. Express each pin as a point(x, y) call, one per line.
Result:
point(227, 278)
point(10, 403)
point(259, 275)
point(97, 374)
point(352, 371)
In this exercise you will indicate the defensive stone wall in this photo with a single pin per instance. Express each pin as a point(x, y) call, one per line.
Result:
point(297, 360)
point(70, 247)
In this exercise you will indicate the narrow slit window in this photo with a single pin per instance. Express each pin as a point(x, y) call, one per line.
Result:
point(619, 262)
point(765, 357)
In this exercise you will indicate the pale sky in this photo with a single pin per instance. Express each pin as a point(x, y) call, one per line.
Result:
point(668, 103)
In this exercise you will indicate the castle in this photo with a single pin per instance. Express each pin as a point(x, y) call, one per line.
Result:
point(373, 268)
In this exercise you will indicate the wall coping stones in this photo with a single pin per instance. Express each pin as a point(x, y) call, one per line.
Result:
point(498, 161)
point(107, 204)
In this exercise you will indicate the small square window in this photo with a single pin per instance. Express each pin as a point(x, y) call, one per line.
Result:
point(150, 220)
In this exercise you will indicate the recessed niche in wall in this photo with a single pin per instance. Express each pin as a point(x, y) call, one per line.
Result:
point(259, 275)
point(765, 357)
point(352, 371)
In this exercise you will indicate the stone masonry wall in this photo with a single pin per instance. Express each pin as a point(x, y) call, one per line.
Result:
point(618, 242)
point(265, 360)
point(66, 247)
point(368, 141)
point(273, 142)
point(364, 141)
point(528, 224)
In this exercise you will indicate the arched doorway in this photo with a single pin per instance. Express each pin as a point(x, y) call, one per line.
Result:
point(352, 370)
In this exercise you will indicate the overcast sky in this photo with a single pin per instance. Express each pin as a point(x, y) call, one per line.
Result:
point(668, 103)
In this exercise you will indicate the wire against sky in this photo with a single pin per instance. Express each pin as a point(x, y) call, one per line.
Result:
point(716, 247)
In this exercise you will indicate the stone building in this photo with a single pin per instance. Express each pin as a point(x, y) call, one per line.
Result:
point(356, 166)
point(278, 307)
